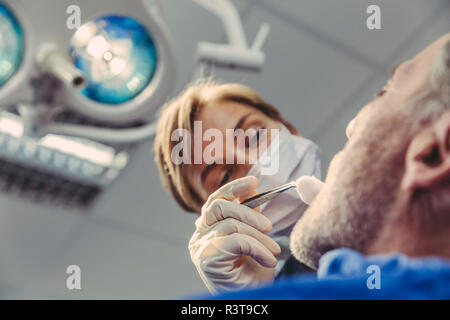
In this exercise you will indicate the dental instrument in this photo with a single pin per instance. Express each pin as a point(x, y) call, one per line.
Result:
point(263, 197)
point(307, 188)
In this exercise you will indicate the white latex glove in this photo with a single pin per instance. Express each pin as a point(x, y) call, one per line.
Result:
point(229, 247)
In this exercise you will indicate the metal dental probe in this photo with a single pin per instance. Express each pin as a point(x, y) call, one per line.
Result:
point(263, 197)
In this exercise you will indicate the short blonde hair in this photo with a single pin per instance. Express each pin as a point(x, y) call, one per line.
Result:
point(180, 114)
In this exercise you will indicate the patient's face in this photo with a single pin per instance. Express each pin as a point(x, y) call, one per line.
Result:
point(363, 179)
point(206, 178)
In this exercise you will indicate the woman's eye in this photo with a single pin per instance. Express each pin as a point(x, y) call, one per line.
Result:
point(226, 177)
point(254, 139)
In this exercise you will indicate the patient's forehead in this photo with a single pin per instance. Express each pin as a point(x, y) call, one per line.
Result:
point(419, 68)
point(410, 79)
point(435, 46)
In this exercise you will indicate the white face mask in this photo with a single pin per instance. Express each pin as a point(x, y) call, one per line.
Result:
point(297, 157)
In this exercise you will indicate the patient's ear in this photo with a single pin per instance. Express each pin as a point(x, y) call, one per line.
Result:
point(428, 157)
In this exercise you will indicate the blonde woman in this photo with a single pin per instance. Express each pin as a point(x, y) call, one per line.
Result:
point(233, 247)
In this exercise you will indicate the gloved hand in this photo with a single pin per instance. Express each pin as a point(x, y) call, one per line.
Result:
point(229, 246)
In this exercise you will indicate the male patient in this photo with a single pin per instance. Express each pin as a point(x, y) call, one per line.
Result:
point(387, 192)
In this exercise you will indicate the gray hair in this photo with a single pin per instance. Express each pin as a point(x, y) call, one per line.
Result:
point(430, 104)
point(440, 75)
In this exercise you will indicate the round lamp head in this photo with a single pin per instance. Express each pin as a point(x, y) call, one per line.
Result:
point(118, 57)
point(11, 44)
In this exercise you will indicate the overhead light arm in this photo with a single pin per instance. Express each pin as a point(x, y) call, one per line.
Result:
point(237, 53)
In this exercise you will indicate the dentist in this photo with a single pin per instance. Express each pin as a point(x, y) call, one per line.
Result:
point(233, 246)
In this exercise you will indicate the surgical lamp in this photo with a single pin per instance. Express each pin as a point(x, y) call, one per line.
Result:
point(117, 69)
point(111, 74)
point(11, 44)
point(117, 55)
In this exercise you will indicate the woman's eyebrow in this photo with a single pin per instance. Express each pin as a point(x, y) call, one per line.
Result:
point(242, 121)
